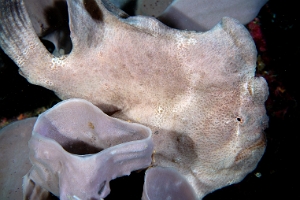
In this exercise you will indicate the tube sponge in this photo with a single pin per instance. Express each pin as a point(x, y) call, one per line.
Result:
point(166, 183)
point(199, 15)
point(14, 154)
point(76, 150)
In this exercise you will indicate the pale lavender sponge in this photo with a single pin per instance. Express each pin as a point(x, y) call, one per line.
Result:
point(14, 161)
point(76, 150)
point(199, 15)
point(166, 183)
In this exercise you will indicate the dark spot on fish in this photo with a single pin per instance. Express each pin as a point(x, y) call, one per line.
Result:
point(93, 9)
point(239, 119)
point(114, 9)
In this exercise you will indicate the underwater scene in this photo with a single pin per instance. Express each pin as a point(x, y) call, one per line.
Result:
point(149, 99)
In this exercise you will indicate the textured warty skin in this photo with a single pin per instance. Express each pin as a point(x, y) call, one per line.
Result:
point(196, 91)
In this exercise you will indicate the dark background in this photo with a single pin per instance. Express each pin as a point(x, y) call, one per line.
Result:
point(279, 22)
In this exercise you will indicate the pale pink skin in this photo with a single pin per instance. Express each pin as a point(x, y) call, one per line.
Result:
point(196, 91)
